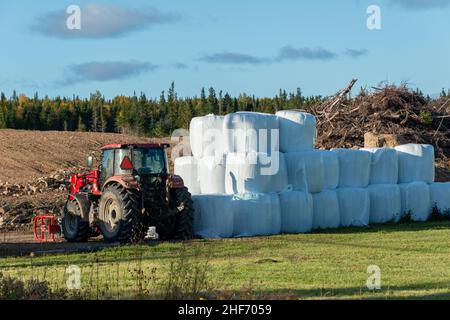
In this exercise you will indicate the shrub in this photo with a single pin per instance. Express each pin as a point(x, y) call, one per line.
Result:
point(426, 117)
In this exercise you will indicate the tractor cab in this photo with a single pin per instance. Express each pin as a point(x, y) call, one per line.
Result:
point(133, 161)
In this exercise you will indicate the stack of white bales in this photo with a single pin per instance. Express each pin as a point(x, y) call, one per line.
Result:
point(204, 175)
point(384, 193)
point(259, 174)
point(416, 177)
point(313, 174)
point(237, 176)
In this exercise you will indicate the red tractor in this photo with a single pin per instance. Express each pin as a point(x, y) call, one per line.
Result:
point(131, 191)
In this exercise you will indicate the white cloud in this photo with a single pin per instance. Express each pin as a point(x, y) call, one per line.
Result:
point(102, 21)
point(105, 71)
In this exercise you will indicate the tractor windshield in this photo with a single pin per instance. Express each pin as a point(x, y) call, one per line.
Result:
point(149, 161)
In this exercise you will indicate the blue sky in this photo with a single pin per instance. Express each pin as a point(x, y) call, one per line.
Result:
point(235, 45)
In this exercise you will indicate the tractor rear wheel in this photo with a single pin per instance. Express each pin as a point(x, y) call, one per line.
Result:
point(120, 215)
point(74, 228)
point(185, 218)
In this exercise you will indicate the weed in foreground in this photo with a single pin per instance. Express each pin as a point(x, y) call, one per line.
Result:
point(188, 277)
point(32, 289)
point(438, 216)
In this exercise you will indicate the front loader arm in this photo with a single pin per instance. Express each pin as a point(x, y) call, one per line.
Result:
point(81, 181)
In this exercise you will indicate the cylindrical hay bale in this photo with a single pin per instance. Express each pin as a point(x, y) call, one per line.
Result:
point(326, 210)
point(296, 212)
point(251, 132)
point(440, 197)
point(298, 131)
point(415, 163)
point(255, 173)
point(214, 216)
point(385, 203)
point(187, 168)
point(354, 168)
point(384, 167)
point(256, 215)
point(331, 169)
point(354, 207)
point(211, 174)
point(206, 136)
point(307, 164)
point(416, 200)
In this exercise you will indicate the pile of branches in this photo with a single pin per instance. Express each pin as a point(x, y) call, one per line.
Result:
point(57, 181)
point(343, 121)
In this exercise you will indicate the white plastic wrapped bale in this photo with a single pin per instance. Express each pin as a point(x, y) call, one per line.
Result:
point(211, 174)
point(298, 131)
point(296, 212)
point(354, 168)
point(256, 215)
point(331, 169)
point(307, 164)
point(187, 168)
point(326, 210)
point(296, 173)
point(415, 163)
point(440, 197)
point(385, 203)
point(213, 216)
point(255, 173)
point(251, 132)
point(384, 168)
point(416, 200)
point(354, 207)
point(206, 136)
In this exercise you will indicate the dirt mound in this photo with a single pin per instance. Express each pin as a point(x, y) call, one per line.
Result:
point(29, 155)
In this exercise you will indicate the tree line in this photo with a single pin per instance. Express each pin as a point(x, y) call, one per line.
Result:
point(137, 114)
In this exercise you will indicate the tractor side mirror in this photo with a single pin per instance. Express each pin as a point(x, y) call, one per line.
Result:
point(90, 162)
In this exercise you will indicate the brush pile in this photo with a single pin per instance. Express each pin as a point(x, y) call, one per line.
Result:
point(57, 181)
point(398, 110)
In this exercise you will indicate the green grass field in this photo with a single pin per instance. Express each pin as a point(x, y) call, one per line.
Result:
point(414, 260)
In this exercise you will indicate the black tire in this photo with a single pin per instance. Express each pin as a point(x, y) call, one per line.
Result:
point(120, 217)
point(185, 218)
point(166, 229)
point(74, 228)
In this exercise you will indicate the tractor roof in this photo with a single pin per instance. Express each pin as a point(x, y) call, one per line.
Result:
point(136, 145)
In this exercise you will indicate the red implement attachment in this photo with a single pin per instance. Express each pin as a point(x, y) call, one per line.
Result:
point(45, 228)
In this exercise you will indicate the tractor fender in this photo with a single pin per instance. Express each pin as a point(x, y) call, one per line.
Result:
point(84, 203)
point(128, 182)
point(175, 182)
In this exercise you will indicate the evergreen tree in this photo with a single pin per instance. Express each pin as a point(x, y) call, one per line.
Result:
point(173, 109)
point(136, 115)
point(228, 104)
point(186, 114)
point(213, 102)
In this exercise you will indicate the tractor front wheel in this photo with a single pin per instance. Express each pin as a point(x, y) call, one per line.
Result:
point(120, 215)
point(74, 228)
